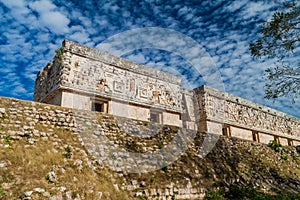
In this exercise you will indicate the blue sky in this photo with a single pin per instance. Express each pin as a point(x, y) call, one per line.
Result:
point(32, 30)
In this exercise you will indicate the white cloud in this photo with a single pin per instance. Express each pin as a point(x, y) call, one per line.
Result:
point(19, 11)
point(53, 20)
point(236, 5)
point(80, 37)
point(13, 4)
point(257, 9)
point(139, 58)
point(42, 6)
point(19, 90)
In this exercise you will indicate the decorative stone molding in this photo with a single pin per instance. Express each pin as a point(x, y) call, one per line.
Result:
point(89, 79)
point(224, 108)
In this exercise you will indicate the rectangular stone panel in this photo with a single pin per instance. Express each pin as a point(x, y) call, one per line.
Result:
point(283, 141)
point(214, 127)
point(265, 138)
point(241, 133)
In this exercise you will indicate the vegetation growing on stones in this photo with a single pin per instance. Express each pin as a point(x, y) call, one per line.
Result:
point(273, 144)
point(68, 152)
point(59, 54)
point(2, 193)
point(233, 165)
point(8, 140)
point(237, 192)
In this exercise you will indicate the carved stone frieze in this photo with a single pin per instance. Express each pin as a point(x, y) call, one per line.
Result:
point(92, 72)
point(135, 83)
point(225, 108)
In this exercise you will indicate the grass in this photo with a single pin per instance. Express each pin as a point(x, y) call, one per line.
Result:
point(27, 165)
point(236, 192)
point(28, 168)
point(68, 152)
point(2, 193)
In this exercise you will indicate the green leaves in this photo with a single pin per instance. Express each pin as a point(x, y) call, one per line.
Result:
point(68, 152)
point(284, 80)
point(273, 144)
point(280, 37)
point(59, 54)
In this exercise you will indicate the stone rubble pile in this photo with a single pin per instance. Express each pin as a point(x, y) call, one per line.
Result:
point(127, 147)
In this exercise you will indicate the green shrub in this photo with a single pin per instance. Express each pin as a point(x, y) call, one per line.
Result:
point(2, 192)
point(152, 180)
point(48, 179)
point(237, 192)
point(284, 156)
point(68, 152)
point(244, 192)
point(173, 197)
point(215, 195)
point(160, 145)
point(110, 126)
point(165, 168)
point(273, 144)
point(8, 140)
point(59, 53)
point(298, 149)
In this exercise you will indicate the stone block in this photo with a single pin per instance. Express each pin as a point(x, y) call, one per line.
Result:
point(2, 110)
point(241, 133)
point(283, 141)
point(296, 142)
point(265, 138)
point(213, 127)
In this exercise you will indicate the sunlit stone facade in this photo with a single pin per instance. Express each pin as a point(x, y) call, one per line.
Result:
point(85, 78)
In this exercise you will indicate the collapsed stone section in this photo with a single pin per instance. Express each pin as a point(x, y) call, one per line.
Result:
point(88, 79)
point(189, 177)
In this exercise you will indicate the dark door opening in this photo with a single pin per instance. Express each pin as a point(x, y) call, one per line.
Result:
point(154, 117)
point(98, 107)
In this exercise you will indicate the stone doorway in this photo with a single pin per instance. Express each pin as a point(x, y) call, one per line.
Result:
point(100, 106)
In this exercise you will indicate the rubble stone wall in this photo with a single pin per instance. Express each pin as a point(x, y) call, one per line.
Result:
point(21, 119)
point(190, 177)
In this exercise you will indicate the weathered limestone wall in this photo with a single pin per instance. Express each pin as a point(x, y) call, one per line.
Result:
point(74, 100)
point(84, 69)
point(190, 109)
point(80, 75)
point(21, 119)
point(124, 109)
point(56, 99)
point(242, 133)
point(223, 113)
point(49, 79)
point(265, 138)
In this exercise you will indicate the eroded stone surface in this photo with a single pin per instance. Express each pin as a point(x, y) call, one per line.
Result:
point(89, 79)
point(244, 119)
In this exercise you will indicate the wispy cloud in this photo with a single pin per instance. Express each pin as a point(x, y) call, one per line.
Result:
point(32, 30)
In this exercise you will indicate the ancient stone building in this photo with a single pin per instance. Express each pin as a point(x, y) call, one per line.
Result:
point(89, 79)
